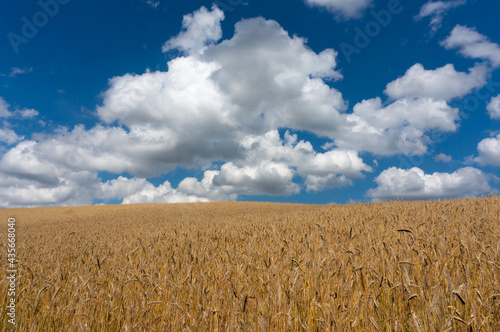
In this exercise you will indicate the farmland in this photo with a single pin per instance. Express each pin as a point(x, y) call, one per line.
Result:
point(235, 266)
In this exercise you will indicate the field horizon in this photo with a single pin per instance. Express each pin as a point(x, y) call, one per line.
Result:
point(239, 266)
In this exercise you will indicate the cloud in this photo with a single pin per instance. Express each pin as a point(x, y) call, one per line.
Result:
point(300, 155)
point(221, 107)
point(398, 127)
point(437, 10)
point(259, 80)
point(472, 44)
point(319, 183)
point(268, 178)
point(152, 3)
point(27, 113)
point(256, 82)
point(442, 83)
point(198, 29)
point(4, 109)
point(164, 193)
point(121, 187)
point(19, 71)
point(161, 194)
point(28, 178)
point(396, 183)
point(493, 108)
point(443, 158)
point(489, 151)
point(272, 79)
point(9, 136)
point(343, 8)
point(270, 166)
point(24, 114)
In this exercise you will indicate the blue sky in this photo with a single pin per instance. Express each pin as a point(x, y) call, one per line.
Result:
point(308, 101)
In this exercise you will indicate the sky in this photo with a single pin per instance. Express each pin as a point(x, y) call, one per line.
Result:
point(301, 101)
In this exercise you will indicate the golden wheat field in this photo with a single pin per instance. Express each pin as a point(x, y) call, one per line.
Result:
point(396, 266)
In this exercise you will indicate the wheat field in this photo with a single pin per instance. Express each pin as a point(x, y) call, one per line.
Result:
point(234, 266)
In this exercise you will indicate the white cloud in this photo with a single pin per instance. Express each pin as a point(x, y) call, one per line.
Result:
point(271, 164)
point(493, 108)
point(4, 109)
point(257, 81)
point(338, 161)
point(17, 113)
point(489, 151)
point(442, 83)
point(198, 29)
point(152, 3)
point(437, 10)
point(19, 71)
point(397, 128)
point(443, 158)
point(415, 184)
point(9, 136)
point(268, 178)
point(161, 194)
point(28, 178)
point(343, 8)
point(121, 187)
point(472, 44)
point(27, 113)
point(315, 167)
point(273, 79)
point(221, 103)
point(319, 183)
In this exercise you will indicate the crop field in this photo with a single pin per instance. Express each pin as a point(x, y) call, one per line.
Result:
point(234, 266)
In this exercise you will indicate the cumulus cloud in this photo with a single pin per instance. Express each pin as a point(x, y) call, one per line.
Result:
point(221, 107)
point(121, 187)
point(489, 151)
point(443, 158)
point(343, 8)
point(472, 44)
point(396, 183)
point(493, 107)
point(268, 178)
point(437, 10)
point(257, 81)
point(4, 109)
point(161, 194)
point(31, 179)
point(442, 83)
point(398, 127)
point(270, 166)
point(7, 112)
point(27, 113)
point(301, 156)
point(319, 183)
point(9, 136)
point(198, 29)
